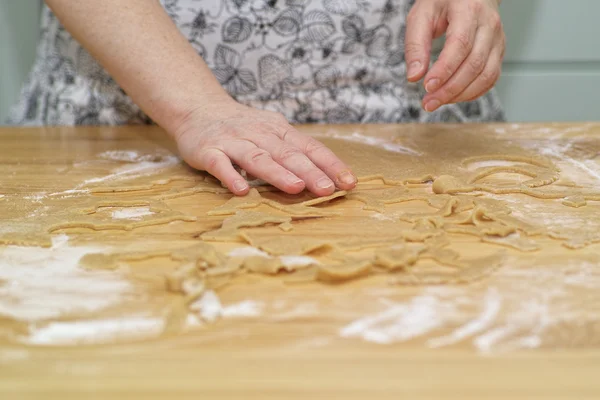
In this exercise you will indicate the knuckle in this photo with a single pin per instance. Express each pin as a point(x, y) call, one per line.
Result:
point(496, 22)
point(477, 63)
point(209, 159)
point(462, 40)
point(286, 132)
point(451, 91)
point(336, 165)
point(314, 147)
point(287, 152)
point(257, 156)
point(412, 48)
point(489, 78)
point(448, 67)
point(476, 6)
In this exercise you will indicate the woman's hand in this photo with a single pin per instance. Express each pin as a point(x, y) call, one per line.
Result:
point(471, 61)
point(264, 144)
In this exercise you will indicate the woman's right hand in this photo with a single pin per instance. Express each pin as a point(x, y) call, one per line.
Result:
point(264, 144)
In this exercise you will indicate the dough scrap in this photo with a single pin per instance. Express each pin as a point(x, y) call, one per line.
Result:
point(242, 219)
point(348, 270)
point(146, 187)
point(286, 245)
point(515, 241)
point(272, 266)
point(375, 200)
point(253, 199)
point(476, 270)
point(398, 257)
point(575, 201)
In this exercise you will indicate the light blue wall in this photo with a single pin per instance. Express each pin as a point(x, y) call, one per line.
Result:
point(19, 30)
point(552, 64)
point(551, 73)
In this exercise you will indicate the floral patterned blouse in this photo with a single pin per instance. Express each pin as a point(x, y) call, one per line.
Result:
point(325, 61)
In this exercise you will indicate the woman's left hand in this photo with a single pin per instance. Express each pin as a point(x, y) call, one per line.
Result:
point(471, 61)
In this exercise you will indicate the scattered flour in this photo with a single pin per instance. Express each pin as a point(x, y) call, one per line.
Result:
point(248, 251)
point(402, 321)
point(39, 284)
point(209, 309)
point(298, 261)
point(121, 155)
point(136, 169)
point(95, 331)
point(373, 141)
point(132, 213)
point(287, 261)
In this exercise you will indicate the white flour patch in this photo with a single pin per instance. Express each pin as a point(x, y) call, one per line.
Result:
point(298, 261)
point(40, 284)
point(402, 321)
point(244, 309)
point(120, 155)
point(95, 331)
point(69, 193)
point(287, 261)
point(383, 217)
point(209, 309)
point(491, 308)
point(248, 252)
point(133, 213)
point(37, 197)
point(136, 169)
point(374, 141)
point(130, 156)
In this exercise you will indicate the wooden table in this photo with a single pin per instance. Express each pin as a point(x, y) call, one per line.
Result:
point(279, 356)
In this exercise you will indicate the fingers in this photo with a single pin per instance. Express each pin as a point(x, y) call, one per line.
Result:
point(217, 163)
point(259, 162)
point(293, 159)
point(470, 69)
point(418, 40)
point(486, 80)
point(323, 158)
point(460, 38)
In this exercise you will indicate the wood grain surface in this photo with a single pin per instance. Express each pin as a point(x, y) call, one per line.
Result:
point(271, 356)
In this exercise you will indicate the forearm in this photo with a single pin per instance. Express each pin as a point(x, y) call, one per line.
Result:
point(142, 49)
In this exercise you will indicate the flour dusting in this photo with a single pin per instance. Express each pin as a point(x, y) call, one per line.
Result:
point(95, 331)
point(373, 141)
point(248, 251)
point(132, 213)
point(136, 169)
point(39, 284)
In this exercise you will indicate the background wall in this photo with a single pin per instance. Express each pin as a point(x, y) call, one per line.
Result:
point(552, 63)
point(19, 30)
point(551, 73)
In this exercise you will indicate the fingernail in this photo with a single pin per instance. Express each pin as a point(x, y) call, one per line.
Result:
point(432, 85)
point(432, 105)
point(324, 183)
point(294, 180)
point(240, 185)
point(347, 178)
point(414, 68)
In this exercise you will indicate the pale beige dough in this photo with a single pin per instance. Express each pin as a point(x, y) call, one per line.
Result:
point(462, 199)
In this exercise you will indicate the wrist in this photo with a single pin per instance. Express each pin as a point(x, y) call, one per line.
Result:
point(197, 112)
point(175, 112)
